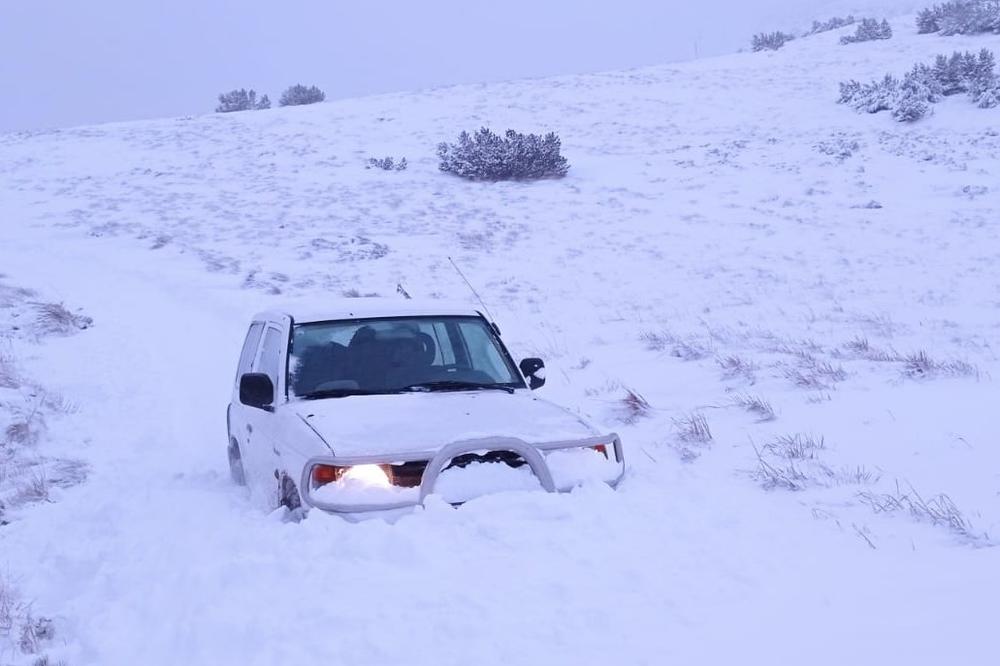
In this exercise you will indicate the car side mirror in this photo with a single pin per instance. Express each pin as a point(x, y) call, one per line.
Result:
point(534, 370)
point(257, 390)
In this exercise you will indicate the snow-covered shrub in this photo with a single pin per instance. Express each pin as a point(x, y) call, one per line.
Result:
point(299, 95)
point(912, 104)
point(909, 99)
point(486, 155)
point(869, 30)
point(984, 84)
point(961, 17)
point(770, 41)
point(990, 97)
point(242, 100)
point(839, 147)
point(968, 73)
point(870, 97)
point(387, 164)
point(831, 24)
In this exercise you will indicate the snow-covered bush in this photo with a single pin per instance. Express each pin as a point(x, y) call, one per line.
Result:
point(961, 17)
point(909, 99)
point(770, 41)
point(913, 101)
point(299, 95)
point(869, 30)
point(387, 164)
point(870, 97)
point(831, 24)
point(486, 155)
point(242, 100)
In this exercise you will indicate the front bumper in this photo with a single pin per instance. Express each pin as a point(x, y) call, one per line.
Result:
point(535, 455)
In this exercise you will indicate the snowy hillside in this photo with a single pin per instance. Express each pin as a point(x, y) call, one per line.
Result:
point(731, 248)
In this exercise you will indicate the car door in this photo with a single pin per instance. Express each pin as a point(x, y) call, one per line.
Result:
point(237, 410)
point(261, 455)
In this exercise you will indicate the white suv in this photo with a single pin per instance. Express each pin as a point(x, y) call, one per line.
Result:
point(370, 405)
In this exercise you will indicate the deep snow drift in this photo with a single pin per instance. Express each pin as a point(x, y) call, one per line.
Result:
point(789, 311)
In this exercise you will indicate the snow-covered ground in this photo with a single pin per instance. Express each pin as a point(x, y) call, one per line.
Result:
point(728, 241)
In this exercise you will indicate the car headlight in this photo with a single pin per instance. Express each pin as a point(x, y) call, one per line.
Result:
point(364, 475)
point(368, 475)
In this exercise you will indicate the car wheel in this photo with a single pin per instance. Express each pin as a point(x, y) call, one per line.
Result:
point(236, 464)
point(289, 494)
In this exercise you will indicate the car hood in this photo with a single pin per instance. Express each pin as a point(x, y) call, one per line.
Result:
point(376, 424)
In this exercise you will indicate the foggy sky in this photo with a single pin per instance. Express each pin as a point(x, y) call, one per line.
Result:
point(69, 62)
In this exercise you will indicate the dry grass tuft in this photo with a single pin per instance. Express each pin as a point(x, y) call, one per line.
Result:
point(784, 474)
point(35, 489)
point(852, 476)
point(634, 406)
point(938, 510)
point(693, 428)
point(737, 367)
point(919, 365)
point(34, 633)
point(11, 607)
point(815, 375)
point(55, 319)
point(686, 349)
point(755, 405)
point(21, 433)
point(64, 472)
point(8, 373)
point(795, 447)
point(860, 348)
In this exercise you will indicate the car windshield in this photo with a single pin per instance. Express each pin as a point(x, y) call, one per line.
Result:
point(377, 356)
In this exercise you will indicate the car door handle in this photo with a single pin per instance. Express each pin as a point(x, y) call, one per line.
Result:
point(249, 428)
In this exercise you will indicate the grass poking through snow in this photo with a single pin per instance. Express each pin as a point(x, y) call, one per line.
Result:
point(633, 407)
point(755, 405)
point(937, 510)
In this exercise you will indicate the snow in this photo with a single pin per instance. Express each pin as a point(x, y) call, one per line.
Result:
point(714, 239)
point(322, 308)
point(385, 424)
point(573, 467)
point(355, 491)
point(461, 484)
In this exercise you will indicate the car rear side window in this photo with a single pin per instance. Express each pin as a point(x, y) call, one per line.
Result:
point(250, 348)
point(270, 355)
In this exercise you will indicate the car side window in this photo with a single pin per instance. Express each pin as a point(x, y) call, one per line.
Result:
point(270, 355)
point(249, 348)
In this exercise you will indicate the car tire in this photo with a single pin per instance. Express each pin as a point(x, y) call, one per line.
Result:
point(288, 493)
point(236, 471)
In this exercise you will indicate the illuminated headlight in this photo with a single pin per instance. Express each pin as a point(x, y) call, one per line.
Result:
point(358, 475)
point(367, 475)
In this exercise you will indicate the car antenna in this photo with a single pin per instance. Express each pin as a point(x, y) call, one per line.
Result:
point(473, 290)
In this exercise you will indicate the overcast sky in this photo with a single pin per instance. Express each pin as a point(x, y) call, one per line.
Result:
point(72, 62)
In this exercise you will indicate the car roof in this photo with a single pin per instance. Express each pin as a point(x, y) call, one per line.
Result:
point(365, 308)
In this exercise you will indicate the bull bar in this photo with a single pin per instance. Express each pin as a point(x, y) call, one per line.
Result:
point(533, 454)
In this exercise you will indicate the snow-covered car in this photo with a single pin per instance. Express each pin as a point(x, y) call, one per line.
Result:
point(370, 405)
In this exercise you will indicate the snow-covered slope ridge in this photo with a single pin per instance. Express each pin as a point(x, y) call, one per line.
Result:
point(788, 310)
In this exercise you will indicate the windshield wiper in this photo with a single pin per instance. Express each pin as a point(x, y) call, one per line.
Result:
point(455, 385)
point(340, 393)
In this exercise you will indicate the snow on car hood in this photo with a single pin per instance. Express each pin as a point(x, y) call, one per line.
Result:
point(374, 424)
